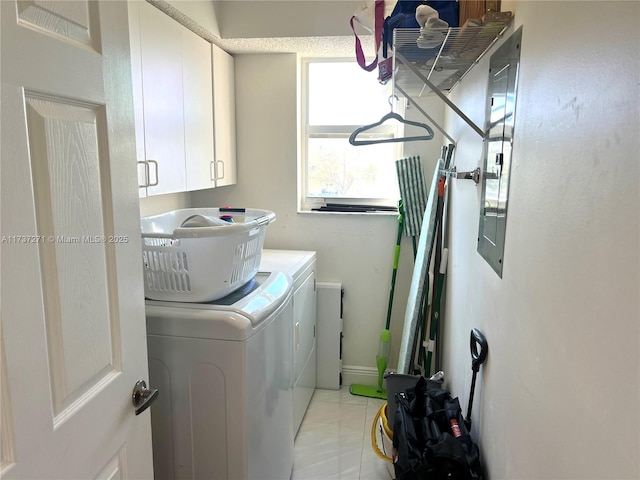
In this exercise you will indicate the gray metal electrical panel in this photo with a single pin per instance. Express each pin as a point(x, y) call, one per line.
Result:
point(501, 107)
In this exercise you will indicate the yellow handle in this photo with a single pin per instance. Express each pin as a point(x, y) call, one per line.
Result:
point(374, 442)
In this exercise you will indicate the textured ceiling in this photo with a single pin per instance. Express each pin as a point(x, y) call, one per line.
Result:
point(305, 46)
point(315, 46)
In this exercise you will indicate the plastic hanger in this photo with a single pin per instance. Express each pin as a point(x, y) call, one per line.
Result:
point(390, 116)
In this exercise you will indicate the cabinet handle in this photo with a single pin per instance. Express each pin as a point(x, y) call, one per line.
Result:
point(219, 162)
point(212, 170)
point(146, 175)
point(157, 178)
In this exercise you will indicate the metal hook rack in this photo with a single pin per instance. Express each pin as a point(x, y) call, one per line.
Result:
point(470, 175)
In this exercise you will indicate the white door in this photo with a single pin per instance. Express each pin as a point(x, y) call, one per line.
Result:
point(72, 333)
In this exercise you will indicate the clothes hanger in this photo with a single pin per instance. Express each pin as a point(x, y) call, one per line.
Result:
point(390, 116)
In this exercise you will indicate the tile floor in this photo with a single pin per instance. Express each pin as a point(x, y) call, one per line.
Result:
point(334, 440)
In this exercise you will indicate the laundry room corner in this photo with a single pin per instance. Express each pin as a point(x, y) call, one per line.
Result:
point(356, 250)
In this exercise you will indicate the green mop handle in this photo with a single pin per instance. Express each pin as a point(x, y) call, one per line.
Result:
point(382, 358)
point(396, 259)
point(385, 342)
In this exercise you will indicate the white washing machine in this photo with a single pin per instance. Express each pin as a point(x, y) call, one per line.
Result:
point(224, 371)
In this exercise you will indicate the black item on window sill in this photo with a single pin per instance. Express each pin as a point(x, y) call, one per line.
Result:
point(343, 207)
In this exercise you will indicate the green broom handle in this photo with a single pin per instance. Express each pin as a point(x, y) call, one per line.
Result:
point(396, 259)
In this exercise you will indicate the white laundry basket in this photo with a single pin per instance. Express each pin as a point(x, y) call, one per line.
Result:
point(201, 264)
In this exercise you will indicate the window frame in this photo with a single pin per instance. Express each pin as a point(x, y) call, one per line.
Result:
point(307, 203)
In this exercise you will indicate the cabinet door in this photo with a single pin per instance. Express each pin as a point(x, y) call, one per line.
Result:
point(224, 107)
point(161, 60)
point(138, 107)
point(198, 111)
point(476, 8)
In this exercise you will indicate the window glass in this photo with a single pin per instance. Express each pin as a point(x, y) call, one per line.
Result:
point(337, 169)
point(342, 93)
point(338, 97)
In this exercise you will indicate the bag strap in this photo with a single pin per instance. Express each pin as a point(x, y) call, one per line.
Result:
point(379, 21)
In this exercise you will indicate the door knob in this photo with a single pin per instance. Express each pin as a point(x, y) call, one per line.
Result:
point(143, 397)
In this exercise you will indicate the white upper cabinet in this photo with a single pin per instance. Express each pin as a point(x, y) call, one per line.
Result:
point(138, 108)
point(224, 106)
point(162, 138)
point(173, 103)
point(198, 111)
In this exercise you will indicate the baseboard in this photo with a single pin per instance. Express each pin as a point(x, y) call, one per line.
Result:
point(361, 375)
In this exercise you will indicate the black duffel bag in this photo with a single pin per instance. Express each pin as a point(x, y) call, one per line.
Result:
point(430, 438)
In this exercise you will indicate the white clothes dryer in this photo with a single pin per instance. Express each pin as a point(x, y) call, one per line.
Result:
point(301, 266)
point(225, 375)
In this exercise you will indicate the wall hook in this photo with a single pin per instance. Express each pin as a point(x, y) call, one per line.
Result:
point(471, 175)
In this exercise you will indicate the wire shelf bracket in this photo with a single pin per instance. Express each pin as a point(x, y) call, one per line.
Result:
point(438, 59)
point(441, 95)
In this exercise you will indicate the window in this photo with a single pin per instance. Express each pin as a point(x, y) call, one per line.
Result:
point(338, 97)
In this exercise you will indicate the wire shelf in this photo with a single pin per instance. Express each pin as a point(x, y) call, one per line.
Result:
point(443, 55)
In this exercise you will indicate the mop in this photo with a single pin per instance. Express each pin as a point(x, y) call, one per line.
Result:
point(411, 182)
point(412, 207)
point(413, 194)
point(382, 358)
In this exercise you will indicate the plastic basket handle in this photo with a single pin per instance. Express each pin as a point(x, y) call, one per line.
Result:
point(264, 220)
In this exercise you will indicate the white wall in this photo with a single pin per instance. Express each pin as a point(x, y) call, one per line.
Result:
point(559, 395)
point(356, 250)
point(164, 203)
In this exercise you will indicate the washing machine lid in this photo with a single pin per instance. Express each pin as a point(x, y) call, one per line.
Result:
point(288, 261)
point(235, 317)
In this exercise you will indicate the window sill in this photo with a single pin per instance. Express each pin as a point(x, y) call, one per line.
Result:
point(363, 214)
point(348, 206)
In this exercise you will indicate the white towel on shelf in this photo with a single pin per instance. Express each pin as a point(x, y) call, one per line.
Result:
point(433, 33)
point(424, 13)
